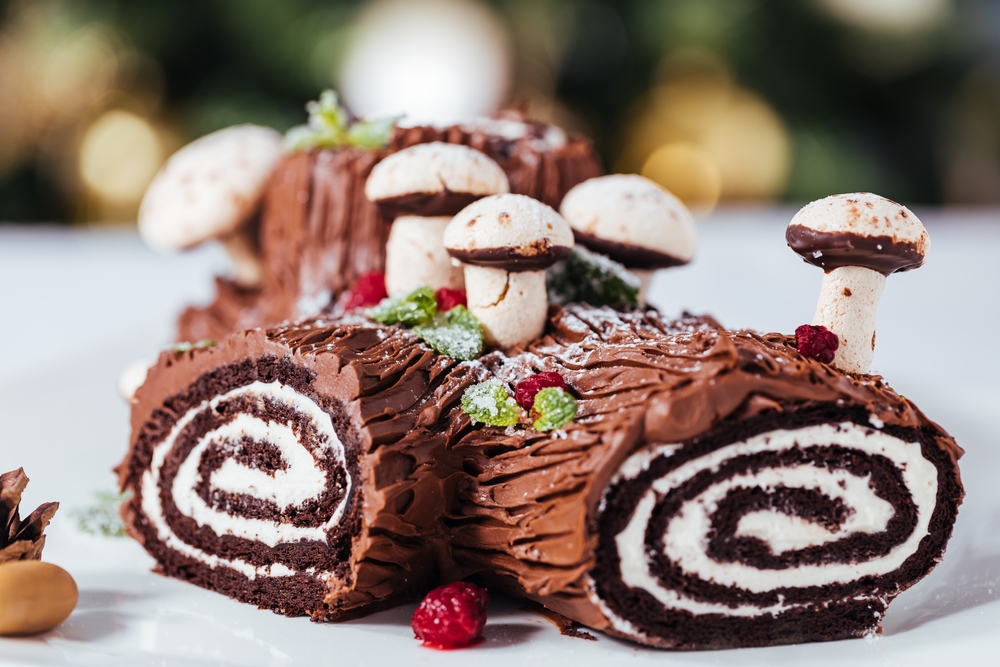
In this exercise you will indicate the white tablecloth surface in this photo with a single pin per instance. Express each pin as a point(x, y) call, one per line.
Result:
point(77, 305)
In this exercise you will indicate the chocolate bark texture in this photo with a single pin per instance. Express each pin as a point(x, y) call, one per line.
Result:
point(708, 493)
point(716, 489)
point(318, 232)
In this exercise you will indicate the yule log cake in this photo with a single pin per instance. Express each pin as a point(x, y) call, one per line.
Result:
point(716, 488)
point(671, 482)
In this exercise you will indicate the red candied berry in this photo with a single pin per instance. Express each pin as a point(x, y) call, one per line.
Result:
point(367, 291)
point(525, 390)
point(816, 342)
point(451, 615)
point(449, 298)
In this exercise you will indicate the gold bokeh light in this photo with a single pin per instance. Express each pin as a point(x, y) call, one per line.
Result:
point(119, 155)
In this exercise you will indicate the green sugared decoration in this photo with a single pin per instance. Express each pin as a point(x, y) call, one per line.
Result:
point(586, 277)
point(101, 517)
point(417, 307)
point(180, 348)
point(490, 403)
point(456, 333)
point(555, 407)
point(331, 126)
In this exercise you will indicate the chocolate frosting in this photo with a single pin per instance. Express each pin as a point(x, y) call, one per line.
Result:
point(632, 256)
point(831, 251)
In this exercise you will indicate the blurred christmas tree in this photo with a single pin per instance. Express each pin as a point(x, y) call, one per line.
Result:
point(731, 99)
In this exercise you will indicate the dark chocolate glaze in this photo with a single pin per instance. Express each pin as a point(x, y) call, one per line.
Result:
point(632, 256)
point(444, 202)
point(535, 258)
point(831, 251)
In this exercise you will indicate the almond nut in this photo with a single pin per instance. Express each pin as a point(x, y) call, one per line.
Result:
point(34, 597)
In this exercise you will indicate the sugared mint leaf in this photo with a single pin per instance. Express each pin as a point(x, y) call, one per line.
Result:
point(417, 307)
point(456, 333)
point(555, 408)
point(371, 134)
point(180, 348)
point(331, 126)
point(101, 517)
point(586, 277)
point(490, 403)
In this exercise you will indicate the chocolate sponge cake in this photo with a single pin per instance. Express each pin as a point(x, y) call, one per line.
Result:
point(715, 489)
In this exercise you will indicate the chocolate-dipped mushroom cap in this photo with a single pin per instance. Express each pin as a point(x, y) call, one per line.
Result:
point(860, 229)
point(210, 189)
point(857, 239)
point(632, 220)
point(433, 179)
point(506, 242)
point(422, 187)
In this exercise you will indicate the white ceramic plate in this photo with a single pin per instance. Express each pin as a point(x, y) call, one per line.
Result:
point(78, 306)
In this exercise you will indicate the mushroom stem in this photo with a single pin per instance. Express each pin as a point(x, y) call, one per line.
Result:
point(645, 277)
point(847, 303)
point(511, 306)
point(415, 256)
point(247, 268)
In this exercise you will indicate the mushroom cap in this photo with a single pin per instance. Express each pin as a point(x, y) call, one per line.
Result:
point(858, 229)
point(435, 178)
point(510, 232)
point(208, 188)
point(632, 220)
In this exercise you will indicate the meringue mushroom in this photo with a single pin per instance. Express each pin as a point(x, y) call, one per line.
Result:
point(211, 189)
point(633, 221)
point(857, 239)
point(506, 242)
point(422, 187)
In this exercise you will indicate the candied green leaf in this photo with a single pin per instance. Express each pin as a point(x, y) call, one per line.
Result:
point(490, 403)
point(331, 126)
point(417, 307)
point(586, 277)
point(101, 517)
point(372, 134)
point(180, 348)
point(456, 333)
point(555, 407)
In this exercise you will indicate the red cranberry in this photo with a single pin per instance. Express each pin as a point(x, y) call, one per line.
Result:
point(451, 615)
point(816, 342)
point(449, 298)
point(525, 390)
point(367, 291)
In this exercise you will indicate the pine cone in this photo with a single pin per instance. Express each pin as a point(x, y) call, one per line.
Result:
point(21, 540)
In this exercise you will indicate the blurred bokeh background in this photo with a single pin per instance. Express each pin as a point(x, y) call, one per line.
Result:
point(719, 100)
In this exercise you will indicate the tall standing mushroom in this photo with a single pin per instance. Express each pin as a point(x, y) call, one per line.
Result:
point(633, 221)
point(857, 239)
point(422, 187)
point(506, 242)
point(211, 189)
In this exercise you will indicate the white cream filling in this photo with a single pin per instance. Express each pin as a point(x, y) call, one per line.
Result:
point(301, 480)
point(686, 537)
